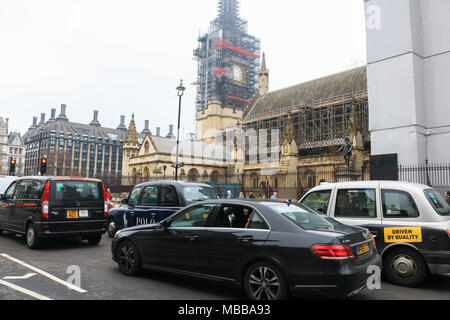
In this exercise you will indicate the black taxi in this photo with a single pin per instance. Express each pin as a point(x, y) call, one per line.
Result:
point(152, 202)
point(51, 207)
point(411, 223)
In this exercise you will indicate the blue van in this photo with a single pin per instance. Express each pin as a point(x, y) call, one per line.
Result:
point(153, 202)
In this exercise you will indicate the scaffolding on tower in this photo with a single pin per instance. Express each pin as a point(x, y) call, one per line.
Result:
point(228, 60)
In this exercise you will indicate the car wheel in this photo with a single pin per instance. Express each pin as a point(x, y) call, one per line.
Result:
point(405, 267)
point(33, 242)
point(111, 228)
point(128, 259)
point(95, 239)
point(263, 281)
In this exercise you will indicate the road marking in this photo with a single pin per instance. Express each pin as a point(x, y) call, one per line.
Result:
point(27, 276)
point(25, 291)
point(46, 274)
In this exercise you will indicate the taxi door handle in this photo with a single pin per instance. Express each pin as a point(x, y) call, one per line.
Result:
point(374, 233)
point(192, 237)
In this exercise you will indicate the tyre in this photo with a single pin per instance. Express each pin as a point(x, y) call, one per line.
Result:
point(95, 239)
point(264, 281)
point(32, 240)
point(128, 259)
point(111, 228)
point(405, 267)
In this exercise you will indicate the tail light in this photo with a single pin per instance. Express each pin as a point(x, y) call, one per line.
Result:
point(105, 199)
point(45, 200)
point(374, 243)
point(448, 231)
point(333, 252)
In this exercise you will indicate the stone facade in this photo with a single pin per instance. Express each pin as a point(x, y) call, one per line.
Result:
point(11, 147)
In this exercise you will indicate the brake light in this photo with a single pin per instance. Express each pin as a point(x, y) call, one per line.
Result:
point(448, 231)
point(105, 199)
point(45, 200)
point(374, 243)
point(332, 252)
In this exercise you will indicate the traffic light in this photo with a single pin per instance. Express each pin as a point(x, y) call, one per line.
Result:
point(43, 166)
point(12, 167)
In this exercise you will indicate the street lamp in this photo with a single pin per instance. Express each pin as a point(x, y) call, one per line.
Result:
point(164, 168)
point(180, 90)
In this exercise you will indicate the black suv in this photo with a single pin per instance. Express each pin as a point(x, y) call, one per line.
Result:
point(48, 207)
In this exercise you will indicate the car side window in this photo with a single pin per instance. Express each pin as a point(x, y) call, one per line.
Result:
point(134, 196)
point(356, 203)
point(318, 201)
point(233, 216)
point(150, 196)
point(21, 191)
point(9, 194)
point(256, 222)
point(194, 217)
point(168, 197)
point(398, 204)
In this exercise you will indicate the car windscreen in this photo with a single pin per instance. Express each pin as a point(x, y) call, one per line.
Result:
point(199, 193)
point(69, 191)
point(301, 217)
point(437, 201)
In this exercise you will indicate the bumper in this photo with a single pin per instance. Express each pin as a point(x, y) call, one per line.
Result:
point(71, 229)
point(344, 281)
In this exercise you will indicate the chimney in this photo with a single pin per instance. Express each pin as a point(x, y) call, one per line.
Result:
point(95, 121)
point(42, 118)
point(62, 116)
point(158, 131)
point(147, 129)
point(34, 125)
point(122, 126)
point(52, 115)
point(170, 135)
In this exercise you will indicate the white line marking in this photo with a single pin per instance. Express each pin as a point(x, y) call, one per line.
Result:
point(27, 276)
point(25, 291)
point(46, 274)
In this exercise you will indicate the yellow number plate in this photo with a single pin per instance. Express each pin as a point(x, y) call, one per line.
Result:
point(362, 249)
point(72, 214)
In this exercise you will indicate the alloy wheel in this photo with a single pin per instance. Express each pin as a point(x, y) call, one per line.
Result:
point(127, 258)
point(264, 284)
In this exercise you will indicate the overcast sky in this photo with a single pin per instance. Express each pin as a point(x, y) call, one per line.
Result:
point(120, 57)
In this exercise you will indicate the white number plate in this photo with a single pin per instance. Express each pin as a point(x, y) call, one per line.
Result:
point(84, 214)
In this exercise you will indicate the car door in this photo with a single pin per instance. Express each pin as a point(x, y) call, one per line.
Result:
point(237, 234)
point(129, 218)
point(145, 211)
point(359, 206)
point(16, 205)
point(6, 205)
point(175, 246)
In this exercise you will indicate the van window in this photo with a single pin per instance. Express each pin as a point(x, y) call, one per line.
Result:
point(76, 191)
point(21, 190)
point(35, 190)
point(398, 204)
point(356, 203)
point(318, 201)
point(438, 202)
point(9, 194)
